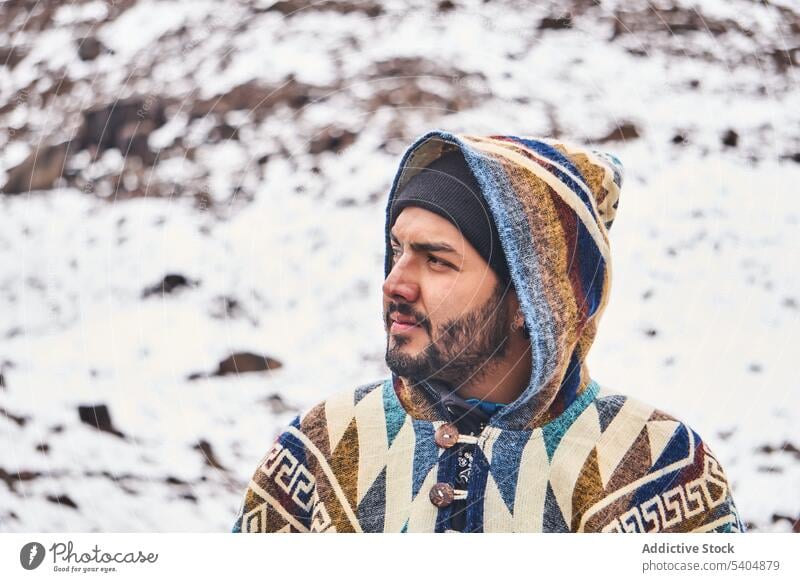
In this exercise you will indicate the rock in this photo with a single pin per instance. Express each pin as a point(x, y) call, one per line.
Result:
point(408, 93)
point(11, 479)
point(168, 284)
point(556, 22)
point(256, 99)
point(679, 138)
point(246, 362)
point(132, 141)
point(18, 420)
point(671, 21)
point(785, 59)
point(776, 517)
point(120, 124)
point(786, 447)
point(62, 500)
point(622, 132)
point(10, 56)
point(39, 171)
point(208, 453)
point(98, 416)
point(276, 404)
point(407, 66)
point(227, 307)
point(223, 132)
point(90, 48)
point(725, 435)
point(401, 82)
point(331, 140)
point(26, 17)
point(291, 7)
point(730, 139)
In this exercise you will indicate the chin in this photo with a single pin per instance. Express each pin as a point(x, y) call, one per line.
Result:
point(410, 347)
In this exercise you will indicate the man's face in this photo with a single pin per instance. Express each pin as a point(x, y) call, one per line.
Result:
point(446, 315)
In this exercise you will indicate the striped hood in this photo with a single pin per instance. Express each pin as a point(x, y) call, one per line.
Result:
point(553, 204)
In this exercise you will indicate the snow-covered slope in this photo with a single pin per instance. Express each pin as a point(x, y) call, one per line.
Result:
point(187, 180)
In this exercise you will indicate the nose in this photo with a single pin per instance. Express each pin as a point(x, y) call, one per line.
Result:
point(401, 282)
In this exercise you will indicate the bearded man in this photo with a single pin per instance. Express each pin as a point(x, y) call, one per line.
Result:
point(497, 273)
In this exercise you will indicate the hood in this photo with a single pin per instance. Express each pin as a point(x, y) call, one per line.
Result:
point(553, 204)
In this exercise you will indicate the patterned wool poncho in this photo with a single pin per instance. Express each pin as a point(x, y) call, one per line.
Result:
point(568, 455)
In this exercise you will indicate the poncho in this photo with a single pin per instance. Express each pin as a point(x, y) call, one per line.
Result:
point(568, 455)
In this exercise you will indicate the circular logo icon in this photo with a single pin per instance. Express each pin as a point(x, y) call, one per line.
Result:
point(31, 555)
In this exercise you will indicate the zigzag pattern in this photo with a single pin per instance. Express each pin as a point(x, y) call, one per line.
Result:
point(620, 466)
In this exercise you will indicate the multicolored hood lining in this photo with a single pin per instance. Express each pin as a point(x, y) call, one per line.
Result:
point(553, 204)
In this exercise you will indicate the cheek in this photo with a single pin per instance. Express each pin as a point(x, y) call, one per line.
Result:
point(463, 295)
point(445, 303)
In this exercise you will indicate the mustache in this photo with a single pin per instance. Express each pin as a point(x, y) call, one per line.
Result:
point(408, 311)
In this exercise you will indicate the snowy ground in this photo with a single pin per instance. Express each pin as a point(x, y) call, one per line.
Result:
point(288, 223)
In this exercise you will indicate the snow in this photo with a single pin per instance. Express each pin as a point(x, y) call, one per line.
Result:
point(72, 13)
point(144, 23)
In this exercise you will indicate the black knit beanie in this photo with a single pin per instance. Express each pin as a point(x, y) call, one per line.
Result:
point(449, 188)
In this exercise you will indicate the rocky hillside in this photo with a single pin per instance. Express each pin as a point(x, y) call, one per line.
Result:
point(192, 205)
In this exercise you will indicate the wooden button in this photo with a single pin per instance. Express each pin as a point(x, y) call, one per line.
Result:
point(446, 436)
point(442, 494)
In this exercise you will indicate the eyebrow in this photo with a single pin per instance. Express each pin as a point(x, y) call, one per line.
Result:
point(429, 247)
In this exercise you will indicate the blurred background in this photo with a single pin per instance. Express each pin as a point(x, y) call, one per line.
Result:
point(192, 212)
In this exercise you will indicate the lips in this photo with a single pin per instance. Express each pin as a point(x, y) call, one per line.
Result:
point(402, 323)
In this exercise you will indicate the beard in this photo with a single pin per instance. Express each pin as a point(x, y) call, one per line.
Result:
point(462, 350)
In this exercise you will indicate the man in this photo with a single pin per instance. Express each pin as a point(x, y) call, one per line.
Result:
point(497, 272)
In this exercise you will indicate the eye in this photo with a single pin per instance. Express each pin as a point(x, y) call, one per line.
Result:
point(436, 261)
